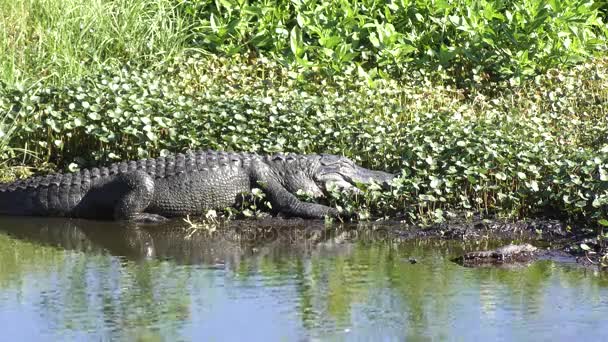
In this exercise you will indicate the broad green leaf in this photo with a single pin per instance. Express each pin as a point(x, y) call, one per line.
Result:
point(295, 41)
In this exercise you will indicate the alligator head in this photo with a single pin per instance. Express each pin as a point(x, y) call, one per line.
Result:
point(316, 174)
point(345, 174)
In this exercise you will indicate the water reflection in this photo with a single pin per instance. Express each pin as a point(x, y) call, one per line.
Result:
point(70, 279)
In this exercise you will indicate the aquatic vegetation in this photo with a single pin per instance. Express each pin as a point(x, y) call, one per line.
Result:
point(7, 152)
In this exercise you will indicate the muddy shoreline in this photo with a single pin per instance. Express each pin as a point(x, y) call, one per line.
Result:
point(187, 241)
point(555, 239)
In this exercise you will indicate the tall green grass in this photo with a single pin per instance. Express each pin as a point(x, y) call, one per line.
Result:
point(7, 128)
point(61, 40)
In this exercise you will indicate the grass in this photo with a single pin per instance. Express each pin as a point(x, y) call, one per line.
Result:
point(60, 41)
point(7, 128)
point(57, 42)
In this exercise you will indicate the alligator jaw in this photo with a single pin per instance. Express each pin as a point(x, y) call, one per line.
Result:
point(346, 175)
point(366, 176)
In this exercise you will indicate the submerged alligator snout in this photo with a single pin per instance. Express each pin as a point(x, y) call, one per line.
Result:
point(503, 255)
point(186, 184)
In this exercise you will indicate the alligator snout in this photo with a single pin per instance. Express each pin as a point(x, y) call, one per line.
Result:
point(367, 176)
point(345, 174)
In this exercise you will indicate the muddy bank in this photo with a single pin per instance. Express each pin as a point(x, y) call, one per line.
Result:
point(205, 242)
point(554, 239)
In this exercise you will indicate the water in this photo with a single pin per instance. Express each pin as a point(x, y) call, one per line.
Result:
point(81, 280)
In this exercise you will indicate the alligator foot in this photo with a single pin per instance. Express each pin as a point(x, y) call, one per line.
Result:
point(502, 255)
point(135, 198)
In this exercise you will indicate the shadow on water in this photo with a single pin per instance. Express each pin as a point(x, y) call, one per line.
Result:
point(293, 279)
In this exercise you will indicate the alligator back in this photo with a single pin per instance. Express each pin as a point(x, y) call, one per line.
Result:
point(62, 194)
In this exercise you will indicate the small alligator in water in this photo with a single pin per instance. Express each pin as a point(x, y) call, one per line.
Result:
point(505, 254)
point(151, 190)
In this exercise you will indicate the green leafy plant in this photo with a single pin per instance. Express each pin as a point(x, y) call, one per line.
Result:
point(473, 40)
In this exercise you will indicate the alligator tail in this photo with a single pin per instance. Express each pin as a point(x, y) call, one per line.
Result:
point(18, 202)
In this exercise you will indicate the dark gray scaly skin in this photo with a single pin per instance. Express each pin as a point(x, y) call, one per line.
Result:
point(151, 190)
point(508, 253)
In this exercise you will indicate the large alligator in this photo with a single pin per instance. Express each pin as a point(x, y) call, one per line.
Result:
point(151, 190)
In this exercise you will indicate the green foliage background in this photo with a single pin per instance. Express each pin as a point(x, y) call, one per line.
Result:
point(59, 41)
point(468, 38)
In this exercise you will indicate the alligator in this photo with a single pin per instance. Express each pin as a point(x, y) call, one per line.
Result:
point(506, 254)
point(181, 184)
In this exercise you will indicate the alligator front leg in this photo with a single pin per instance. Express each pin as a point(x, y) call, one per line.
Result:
point(287, 203)
point(134, 191)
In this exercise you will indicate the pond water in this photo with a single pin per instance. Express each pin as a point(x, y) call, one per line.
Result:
point(82, 280)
